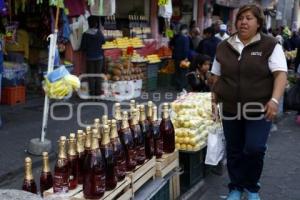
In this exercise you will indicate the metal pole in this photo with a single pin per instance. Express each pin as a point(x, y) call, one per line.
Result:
point(52, 47)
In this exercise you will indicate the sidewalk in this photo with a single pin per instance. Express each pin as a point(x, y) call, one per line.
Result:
point(281, 175)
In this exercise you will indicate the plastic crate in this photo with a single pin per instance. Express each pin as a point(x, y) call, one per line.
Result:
point(165, 80)
point(163, 193)
point(13, 95)
point(152, 70)
point(193, 167)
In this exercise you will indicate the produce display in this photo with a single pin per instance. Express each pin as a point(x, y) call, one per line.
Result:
point(164, 52)
point(123, 43)
point(123, 70)
point(192, 120)
point(153, 58)
point(137, 58)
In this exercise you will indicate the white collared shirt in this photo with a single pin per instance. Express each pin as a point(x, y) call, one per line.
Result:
point(277, 60)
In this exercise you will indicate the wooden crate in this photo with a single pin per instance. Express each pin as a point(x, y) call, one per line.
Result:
point(174, 187)
point(167, 163)
point(66, 196)
point(121, 192)
point(142, 174)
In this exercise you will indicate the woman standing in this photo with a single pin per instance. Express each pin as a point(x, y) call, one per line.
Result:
point(250, 77)
point(181, 49)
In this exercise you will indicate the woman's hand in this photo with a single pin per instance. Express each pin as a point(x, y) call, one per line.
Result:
point(271, 109)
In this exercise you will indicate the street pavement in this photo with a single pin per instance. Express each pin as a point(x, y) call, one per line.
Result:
point(280, 179)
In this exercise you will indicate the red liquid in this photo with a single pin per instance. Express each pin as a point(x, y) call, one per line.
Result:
point(168, 135)
point(73, 173)
point(81, 157)
point(127, 141)
point(46, 181)
point(29, 186)
point(94, 175)
point(138, 144)
point(61, 176)
point(158, 142)
point(149, 141)
point(110, 175)
point(120, 162)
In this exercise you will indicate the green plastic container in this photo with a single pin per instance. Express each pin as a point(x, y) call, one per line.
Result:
point(165, 80)
point(193, 167)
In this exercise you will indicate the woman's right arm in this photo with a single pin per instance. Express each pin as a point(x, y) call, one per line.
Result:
point(214, 98)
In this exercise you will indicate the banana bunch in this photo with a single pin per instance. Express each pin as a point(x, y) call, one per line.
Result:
point(61, 88)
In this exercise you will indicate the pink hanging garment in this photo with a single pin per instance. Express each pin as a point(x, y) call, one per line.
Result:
point(75, 7)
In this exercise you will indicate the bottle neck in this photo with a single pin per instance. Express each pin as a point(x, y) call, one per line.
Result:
point(165, 114)
point(105, 140)
point(62, 150)
point(113, 131)
point(149, 111)
point(125, 122)
point(95, 143)
point(142, 116)
point(72, 148)
point(118, 114)
point(28, 171)
point(46, 167)
point(88, 141)
point(80, 143)
point(154, 114)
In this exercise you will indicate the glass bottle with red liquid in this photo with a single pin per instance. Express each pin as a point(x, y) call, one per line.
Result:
point(137, 138)
point(128, 144)
point(73, 162)
point(131, 108)
point(28, 182)
point(94, 171)
point(108, 154)
point(166, 129)
point(118, 117)
point(97, 126)
point(148, 137)
point(119, 154)
point(81, 154)
point(46, 179)
point(158, 141)
point(61, 169)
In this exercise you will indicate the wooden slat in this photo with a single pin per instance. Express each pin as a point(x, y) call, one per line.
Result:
point(67, 195)
point(141, 170)
point(166, 159)
point(167, 169)
point(150, 174)
point(109, 195)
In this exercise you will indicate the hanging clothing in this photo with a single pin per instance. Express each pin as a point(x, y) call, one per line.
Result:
point(166, 11)
point(78, 27)
point(75, 7)
point(97, 8)
point(109, 7)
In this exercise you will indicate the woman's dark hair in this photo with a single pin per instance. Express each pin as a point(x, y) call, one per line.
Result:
point(199, 60)
point(93, 22)
point(256, 11)
point(183, 26)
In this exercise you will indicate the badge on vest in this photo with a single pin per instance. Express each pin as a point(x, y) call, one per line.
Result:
point(257, 53)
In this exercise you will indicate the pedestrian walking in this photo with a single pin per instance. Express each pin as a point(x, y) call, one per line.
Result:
point(181, 50)
point(222, 35)
point(250, 73)
point(91, 44)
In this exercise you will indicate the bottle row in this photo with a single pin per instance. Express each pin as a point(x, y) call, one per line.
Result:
point(101, 156)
